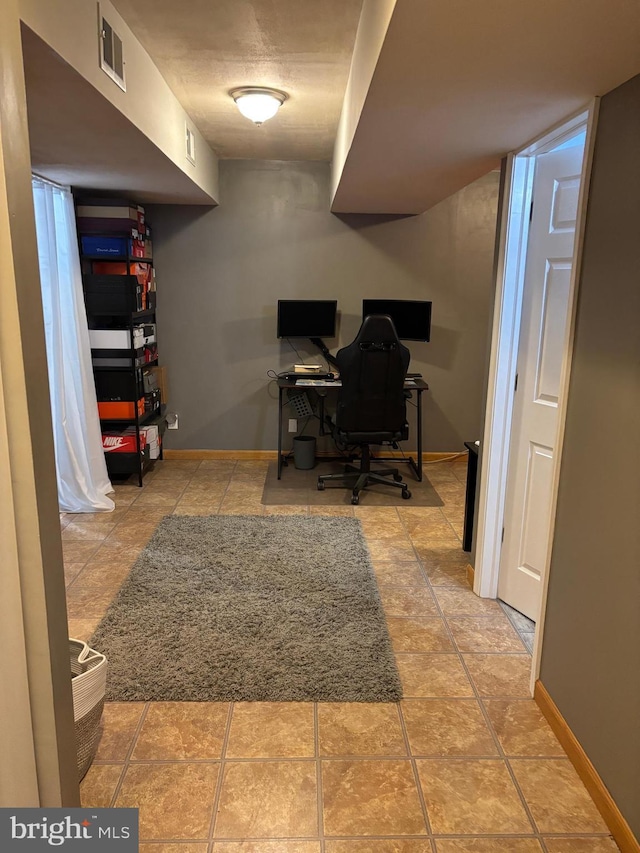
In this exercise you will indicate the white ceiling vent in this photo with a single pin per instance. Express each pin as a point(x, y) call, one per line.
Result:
point(111, 52)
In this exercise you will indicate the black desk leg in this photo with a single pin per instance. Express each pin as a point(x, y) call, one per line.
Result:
point(419, 471)
point(279, 433)
point(470, 501)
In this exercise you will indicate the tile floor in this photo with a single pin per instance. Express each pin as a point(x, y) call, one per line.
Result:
point(464, 764)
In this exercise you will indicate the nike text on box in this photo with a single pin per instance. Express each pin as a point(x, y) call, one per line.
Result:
point(80, 830)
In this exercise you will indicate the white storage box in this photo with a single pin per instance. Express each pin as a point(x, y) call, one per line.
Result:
point(115, 339)
point(150, 432)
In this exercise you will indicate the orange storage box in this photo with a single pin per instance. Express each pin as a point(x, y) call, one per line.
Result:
point(120, 410)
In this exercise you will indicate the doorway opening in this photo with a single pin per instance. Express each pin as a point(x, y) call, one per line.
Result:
point(543, 207)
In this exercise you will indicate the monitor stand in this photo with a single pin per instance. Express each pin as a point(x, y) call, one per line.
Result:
point(318, 342)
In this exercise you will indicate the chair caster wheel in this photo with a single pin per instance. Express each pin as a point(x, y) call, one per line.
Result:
point(406, 494)
point(355, 500)
point(320, 486)
point(397, 478)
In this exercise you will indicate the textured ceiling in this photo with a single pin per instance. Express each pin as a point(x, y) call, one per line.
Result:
point(204, 48)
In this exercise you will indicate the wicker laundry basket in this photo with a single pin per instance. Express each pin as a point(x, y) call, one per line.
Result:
point(88, 682)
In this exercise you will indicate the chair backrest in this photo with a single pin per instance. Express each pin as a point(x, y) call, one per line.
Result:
point(372, 370)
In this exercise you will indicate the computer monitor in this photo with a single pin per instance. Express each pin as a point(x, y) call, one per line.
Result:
point(411, 317)
point(307, 318)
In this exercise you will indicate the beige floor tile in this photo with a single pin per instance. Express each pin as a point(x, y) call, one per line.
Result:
point(503, 676)
point(79, 552)
point(471, 797)
point(279, 846)
point(182, 730)
point(431, 532)
point(370, 798)
point(581, 845)
point(464, 602)
point(166, 487)
point(134, 515)
point(399, 549)
point(443, 551)
point(274, 799)
point(82, 628)
point(217, 466)
point(488, 845)
point(85, 601)
point(558, 800)
point(136, 534)
point(376, 513)
point(157, 499)
point(286, 509)
point(521, 728)
point(346, 511)
point(379, 845)
point(71, 572)
point(356, 728)
point(207, 496)
point(484, 634)
point(201, 509)
point(173, 848)
point(373, 529)
point(241, 506)
point(99, 785)
point(244, 489)
point(103, 574)
point(447, 727)
point(271, 730)
point(119, 723)
point(418, 634)
point(83, 531)
point(175, 800)
point(408, 601)
point(205, 481)
point(447, 575)
point(416, 517)
point(433, 676)
point(118, 552)
point(396, 573)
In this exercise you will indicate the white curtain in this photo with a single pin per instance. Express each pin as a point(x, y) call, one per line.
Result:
point(83, 483)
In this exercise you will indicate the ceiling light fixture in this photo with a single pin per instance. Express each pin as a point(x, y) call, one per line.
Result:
point(257, 103)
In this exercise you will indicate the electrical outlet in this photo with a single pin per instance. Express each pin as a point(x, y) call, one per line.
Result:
point(172, 420)
point(293, 425)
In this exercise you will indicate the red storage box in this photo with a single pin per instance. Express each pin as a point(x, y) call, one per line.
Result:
point(122, 442)
point(121, 410)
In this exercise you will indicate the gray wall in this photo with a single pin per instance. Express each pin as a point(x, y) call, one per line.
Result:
point(591, 653)
point(221, 271)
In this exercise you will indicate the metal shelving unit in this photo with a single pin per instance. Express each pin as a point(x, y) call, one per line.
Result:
point(102, 315)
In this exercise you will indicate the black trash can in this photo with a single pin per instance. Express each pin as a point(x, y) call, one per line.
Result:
point(304, 452)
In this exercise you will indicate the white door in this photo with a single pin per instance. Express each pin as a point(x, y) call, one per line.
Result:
point(541, 352)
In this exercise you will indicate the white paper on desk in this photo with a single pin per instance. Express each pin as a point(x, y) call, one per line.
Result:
point(319, 382)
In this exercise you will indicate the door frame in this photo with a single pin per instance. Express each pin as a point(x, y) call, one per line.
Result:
point(510, 273)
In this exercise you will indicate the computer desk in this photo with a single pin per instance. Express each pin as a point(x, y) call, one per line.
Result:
point(418, 385)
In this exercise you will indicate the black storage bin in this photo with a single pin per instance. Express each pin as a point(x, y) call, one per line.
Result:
point(117, 358)
point(125, 463)
point(114, 385)
point(304, 452)
point(112, 294)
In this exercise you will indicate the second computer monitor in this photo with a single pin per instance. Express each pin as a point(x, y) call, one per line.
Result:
point(411, 317)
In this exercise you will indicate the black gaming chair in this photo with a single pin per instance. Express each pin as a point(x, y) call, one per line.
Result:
point(371, 406)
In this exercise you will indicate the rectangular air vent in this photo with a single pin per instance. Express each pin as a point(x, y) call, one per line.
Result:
point(111, 52)
point(191, 145)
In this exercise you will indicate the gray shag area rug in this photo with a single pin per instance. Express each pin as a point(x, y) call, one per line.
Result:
point(250, 608)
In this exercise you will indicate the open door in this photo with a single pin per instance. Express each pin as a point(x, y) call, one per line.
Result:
point(542, 350)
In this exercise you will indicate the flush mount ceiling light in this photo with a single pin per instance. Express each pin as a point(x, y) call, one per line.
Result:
point(257, 103)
